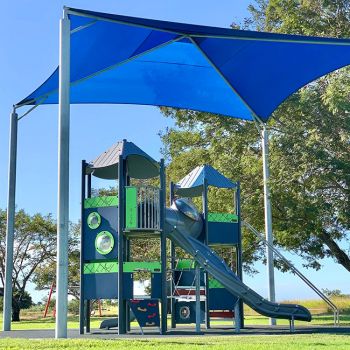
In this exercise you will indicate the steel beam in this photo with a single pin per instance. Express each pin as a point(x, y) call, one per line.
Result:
point(63, 179)
point(10, 229)
point(268, 216)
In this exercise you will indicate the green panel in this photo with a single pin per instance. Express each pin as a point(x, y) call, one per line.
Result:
point(112, 266)
point(215, 284)
point(131, 207)
point(99, 202)
point(185, 264)
point(132, 266)
point(100, 267)
point(222, 217)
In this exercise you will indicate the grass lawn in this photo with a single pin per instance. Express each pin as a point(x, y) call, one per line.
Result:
point(317, 341)
point(32, 319)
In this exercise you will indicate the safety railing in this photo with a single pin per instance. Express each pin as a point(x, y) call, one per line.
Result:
point(142, 208)
point(260, 236)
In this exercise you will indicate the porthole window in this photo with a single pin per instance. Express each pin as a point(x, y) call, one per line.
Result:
point(185, 312)
point(104, 242)
point(94, 220)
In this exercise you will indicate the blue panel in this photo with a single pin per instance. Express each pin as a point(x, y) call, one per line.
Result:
point(109, 216)
point(221, 299)
point(156, 285)
point(185, 312)
point(105, 286)
point(222, 233)
point(101, 286)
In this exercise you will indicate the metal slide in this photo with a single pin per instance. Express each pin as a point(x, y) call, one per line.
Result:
point(178, 229)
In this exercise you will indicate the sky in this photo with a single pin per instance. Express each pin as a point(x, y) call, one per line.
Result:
point(29, 54)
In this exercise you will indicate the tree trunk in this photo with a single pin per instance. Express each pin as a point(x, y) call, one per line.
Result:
point(341, 257)
point(16, 310)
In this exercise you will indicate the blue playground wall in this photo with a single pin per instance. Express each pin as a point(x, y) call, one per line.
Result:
point(105, 286)
point(109, 222)
point(221, 233)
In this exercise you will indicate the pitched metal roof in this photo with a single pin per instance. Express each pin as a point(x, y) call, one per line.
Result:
point(139, 164)
point(192, 184)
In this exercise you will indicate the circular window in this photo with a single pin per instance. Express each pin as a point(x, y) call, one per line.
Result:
point(94, 220)
point(104, 242)
point(185, 312)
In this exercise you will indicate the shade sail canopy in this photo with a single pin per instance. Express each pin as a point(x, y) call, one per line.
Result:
point(243, 74)
point(192, 184)
point(139, 164)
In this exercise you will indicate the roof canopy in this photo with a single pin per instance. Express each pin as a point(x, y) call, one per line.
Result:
point(139, 164)
point(244, 74)
point(192, 184)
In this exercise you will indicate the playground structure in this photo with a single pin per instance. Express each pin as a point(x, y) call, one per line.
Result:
point(202, 286)
point(215, 70)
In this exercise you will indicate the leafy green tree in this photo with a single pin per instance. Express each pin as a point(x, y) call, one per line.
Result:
point(23, 299)
point(34, 246)
point(45, 274)
point(309, 146)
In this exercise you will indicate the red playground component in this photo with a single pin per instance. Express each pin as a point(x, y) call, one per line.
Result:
point(222, 314)
point(184, 291)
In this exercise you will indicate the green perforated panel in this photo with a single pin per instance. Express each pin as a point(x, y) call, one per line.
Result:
point(132, 266)
point(99, 202)
point(222, 217)
point(185, 264)
point(112, 266)
point(100, 267)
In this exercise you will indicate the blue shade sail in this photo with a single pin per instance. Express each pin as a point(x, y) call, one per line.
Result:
point(236, 73)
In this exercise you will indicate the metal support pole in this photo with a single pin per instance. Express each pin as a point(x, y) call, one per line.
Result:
point(82, 299)
point(268, 217)
point(239, 249)
point(63, 179)
point(88, 302)
point(121, 245)
point(10, 229)
point(164, 306)
point(172, 264)
point(238, 316)
point(198, 299)
point(206, 274)
point(291, 325)
point(127, 258)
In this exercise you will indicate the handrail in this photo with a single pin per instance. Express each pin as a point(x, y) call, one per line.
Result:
point(296, 271)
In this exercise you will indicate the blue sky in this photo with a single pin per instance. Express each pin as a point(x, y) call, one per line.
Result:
point(29, 53)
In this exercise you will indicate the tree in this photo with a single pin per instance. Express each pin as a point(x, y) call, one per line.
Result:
point(314, 143)
point(24, 300)
point(309, 146)
point(34, 246)
point(45, 274)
